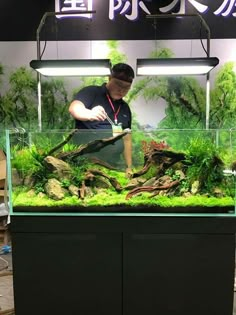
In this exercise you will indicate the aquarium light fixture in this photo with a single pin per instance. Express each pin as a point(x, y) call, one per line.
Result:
point(72, 67)
point(176, 66)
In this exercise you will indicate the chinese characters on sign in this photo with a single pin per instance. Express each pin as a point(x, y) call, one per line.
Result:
point(227, 8)
point(168, 9)
point(73, 6)
point(127, 6)
point(131, 9)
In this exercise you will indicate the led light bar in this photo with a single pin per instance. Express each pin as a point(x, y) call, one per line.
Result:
point(176, 66)
point(72, 67)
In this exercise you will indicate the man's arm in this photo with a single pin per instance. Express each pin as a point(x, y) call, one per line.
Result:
point(78, 110)
point(128, 153)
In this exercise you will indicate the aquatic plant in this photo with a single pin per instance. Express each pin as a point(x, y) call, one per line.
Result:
point(205, 165)
point(147, 147)
point(222, 114)
point(165, 175)
point(107, 201)
point(23, 160)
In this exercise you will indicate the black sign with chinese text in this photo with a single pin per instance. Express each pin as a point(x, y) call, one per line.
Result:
point(117, 19)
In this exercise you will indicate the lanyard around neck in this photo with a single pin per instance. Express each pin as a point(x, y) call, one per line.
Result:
point(113, 108)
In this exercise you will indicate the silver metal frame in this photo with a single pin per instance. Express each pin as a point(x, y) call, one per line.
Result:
point(159, 16)
point(41, 24)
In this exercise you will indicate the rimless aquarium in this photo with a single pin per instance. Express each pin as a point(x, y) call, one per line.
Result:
point(179, 172)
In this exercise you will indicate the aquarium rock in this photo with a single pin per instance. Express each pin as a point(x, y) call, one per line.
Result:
point(59, 168)
point(74, 190)
point(195, 187)
point(54, 190)
point(17, 180)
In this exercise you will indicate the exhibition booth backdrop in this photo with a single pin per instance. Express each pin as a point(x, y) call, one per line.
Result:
point(118, 30)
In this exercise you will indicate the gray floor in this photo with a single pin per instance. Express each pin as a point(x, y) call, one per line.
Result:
point(6, 285)
point(6, 262)
point(234, 310)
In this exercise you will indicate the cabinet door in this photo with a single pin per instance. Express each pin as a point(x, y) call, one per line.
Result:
point(182, 274)
point(77, 273)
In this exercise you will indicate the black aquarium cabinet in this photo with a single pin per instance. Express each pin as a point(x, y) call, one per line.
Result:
point(123, 265)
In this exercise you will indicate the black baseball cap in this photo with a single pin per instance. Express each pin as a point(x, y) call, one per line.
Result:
point(123, 72)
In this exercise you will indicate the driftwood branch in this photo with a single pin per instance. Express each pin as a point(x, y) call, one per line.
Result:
point(144, 170)
point(97, 161)
point(162, 158)
point(112, 180)
point(82, 190)
point(157, 154)
point(139, 190)
point(92, 146)
point(61, 144)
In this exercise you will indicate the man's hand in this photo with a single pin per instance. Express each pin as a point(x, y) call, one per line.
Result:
point(97, 113)
point(80, 112)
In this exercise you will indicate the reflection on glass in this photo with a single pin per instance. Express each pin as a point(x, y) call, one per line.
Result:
point(174, 171)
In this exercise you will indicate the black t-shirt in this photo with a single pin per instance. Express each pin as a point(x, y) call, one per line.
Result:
point(92, 96)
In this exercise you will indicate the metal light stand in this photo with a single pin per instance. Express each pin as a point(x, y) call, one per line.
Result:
point(158, 16)
point(41, 24)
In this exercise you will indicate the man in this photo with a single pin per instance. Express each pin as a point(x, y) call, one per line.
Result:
point(103, 107)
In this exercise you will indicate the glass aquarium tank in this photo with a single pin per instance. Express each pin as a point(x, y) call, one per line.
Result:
point(174, 172)
point(2, 171)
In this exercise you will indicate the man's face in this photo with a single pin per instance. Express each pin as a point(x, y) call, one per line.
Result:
point(118, 88)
